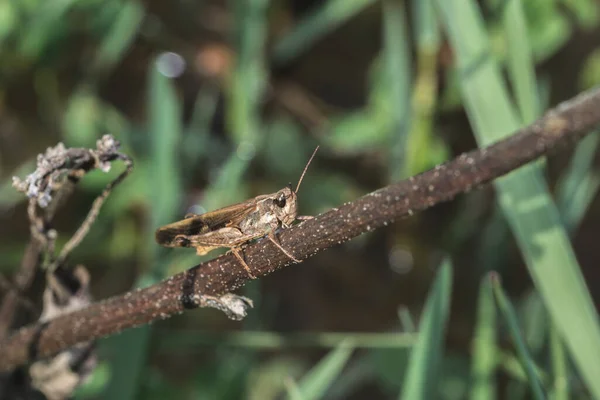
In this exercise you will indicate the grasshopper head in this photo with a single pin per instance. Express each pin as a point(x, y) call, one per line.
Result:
point(286, 205)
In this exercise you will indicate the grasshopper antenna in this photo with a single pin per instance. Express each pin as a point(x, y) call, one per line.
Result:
point(305, 168)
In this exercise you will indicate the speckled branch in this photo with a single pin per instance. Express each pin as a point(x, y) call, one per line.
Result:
point(561, 126)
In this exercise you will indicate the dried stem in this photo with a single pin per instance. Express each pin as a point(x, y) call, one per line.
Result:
point(564, 125)
point(22, 280)
point(84, 228)
point(58, 169)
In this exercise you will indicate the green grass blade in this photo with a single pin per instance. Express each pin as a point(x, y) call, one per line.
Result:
point(510, 317)
point(585, 12)
point(359, 373)
point(524, 196)
point(423, 148)
point(421, 376)
point(371, 126)
point(426, 29)
point(128, 354)
point(406, 320)
point(92, 387)
point(521, 69)
point(196, 142)
point(227, 188)
point(118, 39)
point(44, 25)
point(264, 340)
point(165, 133)
point(315, 383)
point(81, 120)
point(480, 75)
point(245, 93)
point(579, 184)
point(484, 349)
point(518, 386)
point(397, 59)
point(560, 370)
point(324, 19)
point(129, 349)
point(581, 199)
point(249, 75)
point(9, 20)
point(535, 322)
point(293, 392)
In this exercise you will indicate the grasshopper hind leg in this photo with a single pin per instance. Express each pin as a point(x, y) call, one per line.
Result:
point(237, 254)
point(275, 241)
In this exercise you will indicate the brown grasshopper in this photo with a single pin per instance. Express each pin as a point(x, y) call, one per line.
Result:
point(237, 224)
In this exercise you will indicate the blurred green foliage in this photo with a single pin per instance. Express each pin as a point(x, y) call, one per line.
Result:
point(219, 101)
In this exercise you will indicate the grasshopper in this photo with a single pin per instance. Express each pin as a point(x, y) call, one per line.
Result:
point(234, 225)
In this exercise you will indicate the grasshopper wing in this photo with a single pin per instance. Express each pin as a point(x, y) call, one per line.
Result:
point(201, 224)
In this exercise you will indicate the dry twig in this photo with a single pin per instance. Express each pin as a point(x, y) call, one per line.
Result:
point(564, 125)
point(58, 170)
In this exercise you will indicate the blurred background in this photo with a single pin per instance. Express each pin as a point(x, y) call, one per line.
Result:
point(219, 101)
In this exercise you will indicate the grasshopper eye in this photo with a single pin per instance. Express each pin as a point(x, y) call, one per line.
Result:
point(280, 201)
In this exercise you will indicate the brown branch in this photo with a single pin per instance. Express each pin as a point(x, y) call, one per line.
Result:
point(22, 281)
point(564, 125)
